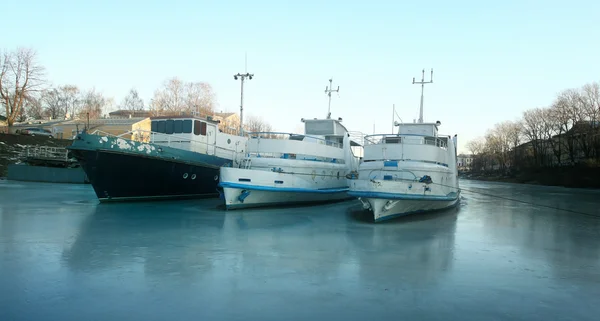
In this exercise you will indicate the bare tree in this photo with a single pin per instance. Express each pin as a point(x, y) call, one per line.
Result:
point(92, 103)
point(33, 107)
point(177, 97)
point(53, 104)
point(71, 100)
point(257, 124)
point(532, 131)
point(590, 133)
point(170, 99)
point(132, 101)
point(199, 98)
point(20, 77)
point(476, 146)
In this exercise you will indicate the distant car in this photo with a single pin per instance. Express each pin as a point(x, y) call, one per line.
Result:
point(36, 132)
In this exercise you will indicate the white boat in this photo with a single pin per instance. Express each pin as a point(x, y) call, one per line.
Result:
point(408, 172)
point(284, 168)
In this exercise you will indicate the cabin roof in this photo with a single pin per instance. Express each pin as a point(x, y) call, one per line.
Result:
point(184, 117)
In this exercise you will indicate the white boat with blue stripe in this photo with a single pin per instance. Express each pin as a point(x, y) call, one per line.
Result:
point(285, 168)
point(409, 172)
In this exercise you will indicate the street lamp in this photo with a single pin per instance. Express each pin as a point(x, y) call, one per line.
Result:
point(242, 77)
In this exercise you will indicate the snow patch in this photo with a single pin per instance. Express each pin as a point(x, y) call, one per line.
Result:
point(146, 148)
point(123, 144)
point(105, 139)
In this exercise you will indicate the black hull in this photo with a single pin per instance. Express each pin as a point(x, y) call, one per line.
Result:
point(118, 176)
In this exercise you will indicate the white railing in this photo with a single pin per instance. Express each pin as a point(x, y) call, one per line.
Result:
point(358, 137)
point(46, 152)
point(405, 139)
point(287, 136)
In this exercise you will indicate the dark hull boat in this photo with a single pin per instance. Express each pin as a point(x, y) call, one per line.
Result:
point(121, 169)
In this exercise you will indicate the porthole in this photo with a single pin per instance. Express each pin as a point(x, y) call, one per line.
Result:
point(185, 175)
point(228, 140)
point(193, 176)
point(216, 177)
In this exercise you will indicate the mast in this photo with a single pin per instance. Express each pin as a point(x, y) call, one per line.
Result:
point(422, 83)
point(328, 90)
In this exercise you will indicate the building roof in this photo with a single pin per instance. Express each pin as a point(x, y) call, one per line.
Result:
point(224, 115)
point(132, 113)
point(99, 122)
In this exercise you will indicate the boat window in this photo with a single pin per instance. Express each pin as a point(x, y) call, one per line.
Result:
point(153, 126)
point(160, 127)
point(187, 126)
point(199, 128)
point(178, 127)
point(393, 140)
point(169, 126)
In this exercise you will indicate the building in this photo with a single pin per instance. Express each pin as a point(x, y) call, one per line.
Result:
point(229, 122)
point(464, 162)
point(574, 146)
point(123, 113)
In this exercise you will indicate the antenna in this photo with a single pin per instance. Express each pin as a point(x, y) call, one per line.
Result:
point(328, 90)
point(393, 117)
point(422, 83)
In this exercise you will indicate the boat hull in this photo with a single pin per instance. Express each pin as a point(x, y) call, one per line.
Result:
point(388, 208)
point(244, 188)
point(389, 198)
point(123, 177)
point(123, 170)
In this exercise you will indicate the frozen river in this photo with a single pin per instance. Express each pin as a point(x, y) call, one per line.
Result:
point(63, 256)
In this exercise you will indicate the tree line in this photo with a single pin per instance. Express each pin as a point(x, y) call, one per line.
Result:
point(25, 94)
point(563, 134)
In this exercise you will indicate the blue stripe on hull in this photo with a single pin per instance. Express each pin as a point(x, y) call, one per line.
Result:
point(385, 218)
point(253, 205)
point(397, 196)
point(283, 189)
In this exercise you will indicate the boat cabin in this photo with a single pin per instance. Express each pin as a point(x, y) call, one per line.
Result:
point(330, 129)
point(189, 133)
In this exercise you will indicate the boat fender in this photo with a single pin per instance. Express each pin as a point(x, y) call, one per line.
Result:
point(425, 179)
point(243, 195)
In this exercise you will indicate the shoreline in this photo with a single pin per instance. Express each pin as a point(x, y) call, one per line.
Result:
point(572, 177)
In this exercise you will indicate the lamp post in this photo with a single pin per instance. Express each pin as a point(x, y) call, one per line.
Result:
point(242, 77)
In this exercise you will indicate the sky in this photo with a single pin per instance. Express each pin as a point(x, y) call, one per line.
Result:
point(491, 60)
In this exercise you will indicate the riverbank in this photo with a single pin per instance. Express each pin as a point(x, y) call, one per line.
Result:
point(573, 176)
point(11, 147)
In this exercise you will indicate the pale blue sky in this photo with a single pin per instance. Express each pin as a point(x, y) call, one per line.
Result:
point(491, 60)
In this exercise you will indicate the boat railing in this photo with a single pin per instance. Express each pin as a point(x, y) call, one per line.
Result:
point(46, 152)
point(288, 136)
point(407, 139)
point(169, 140)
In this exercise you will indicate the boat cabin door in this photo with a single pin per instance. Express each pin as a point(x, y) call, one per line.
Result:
point(211, 139)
